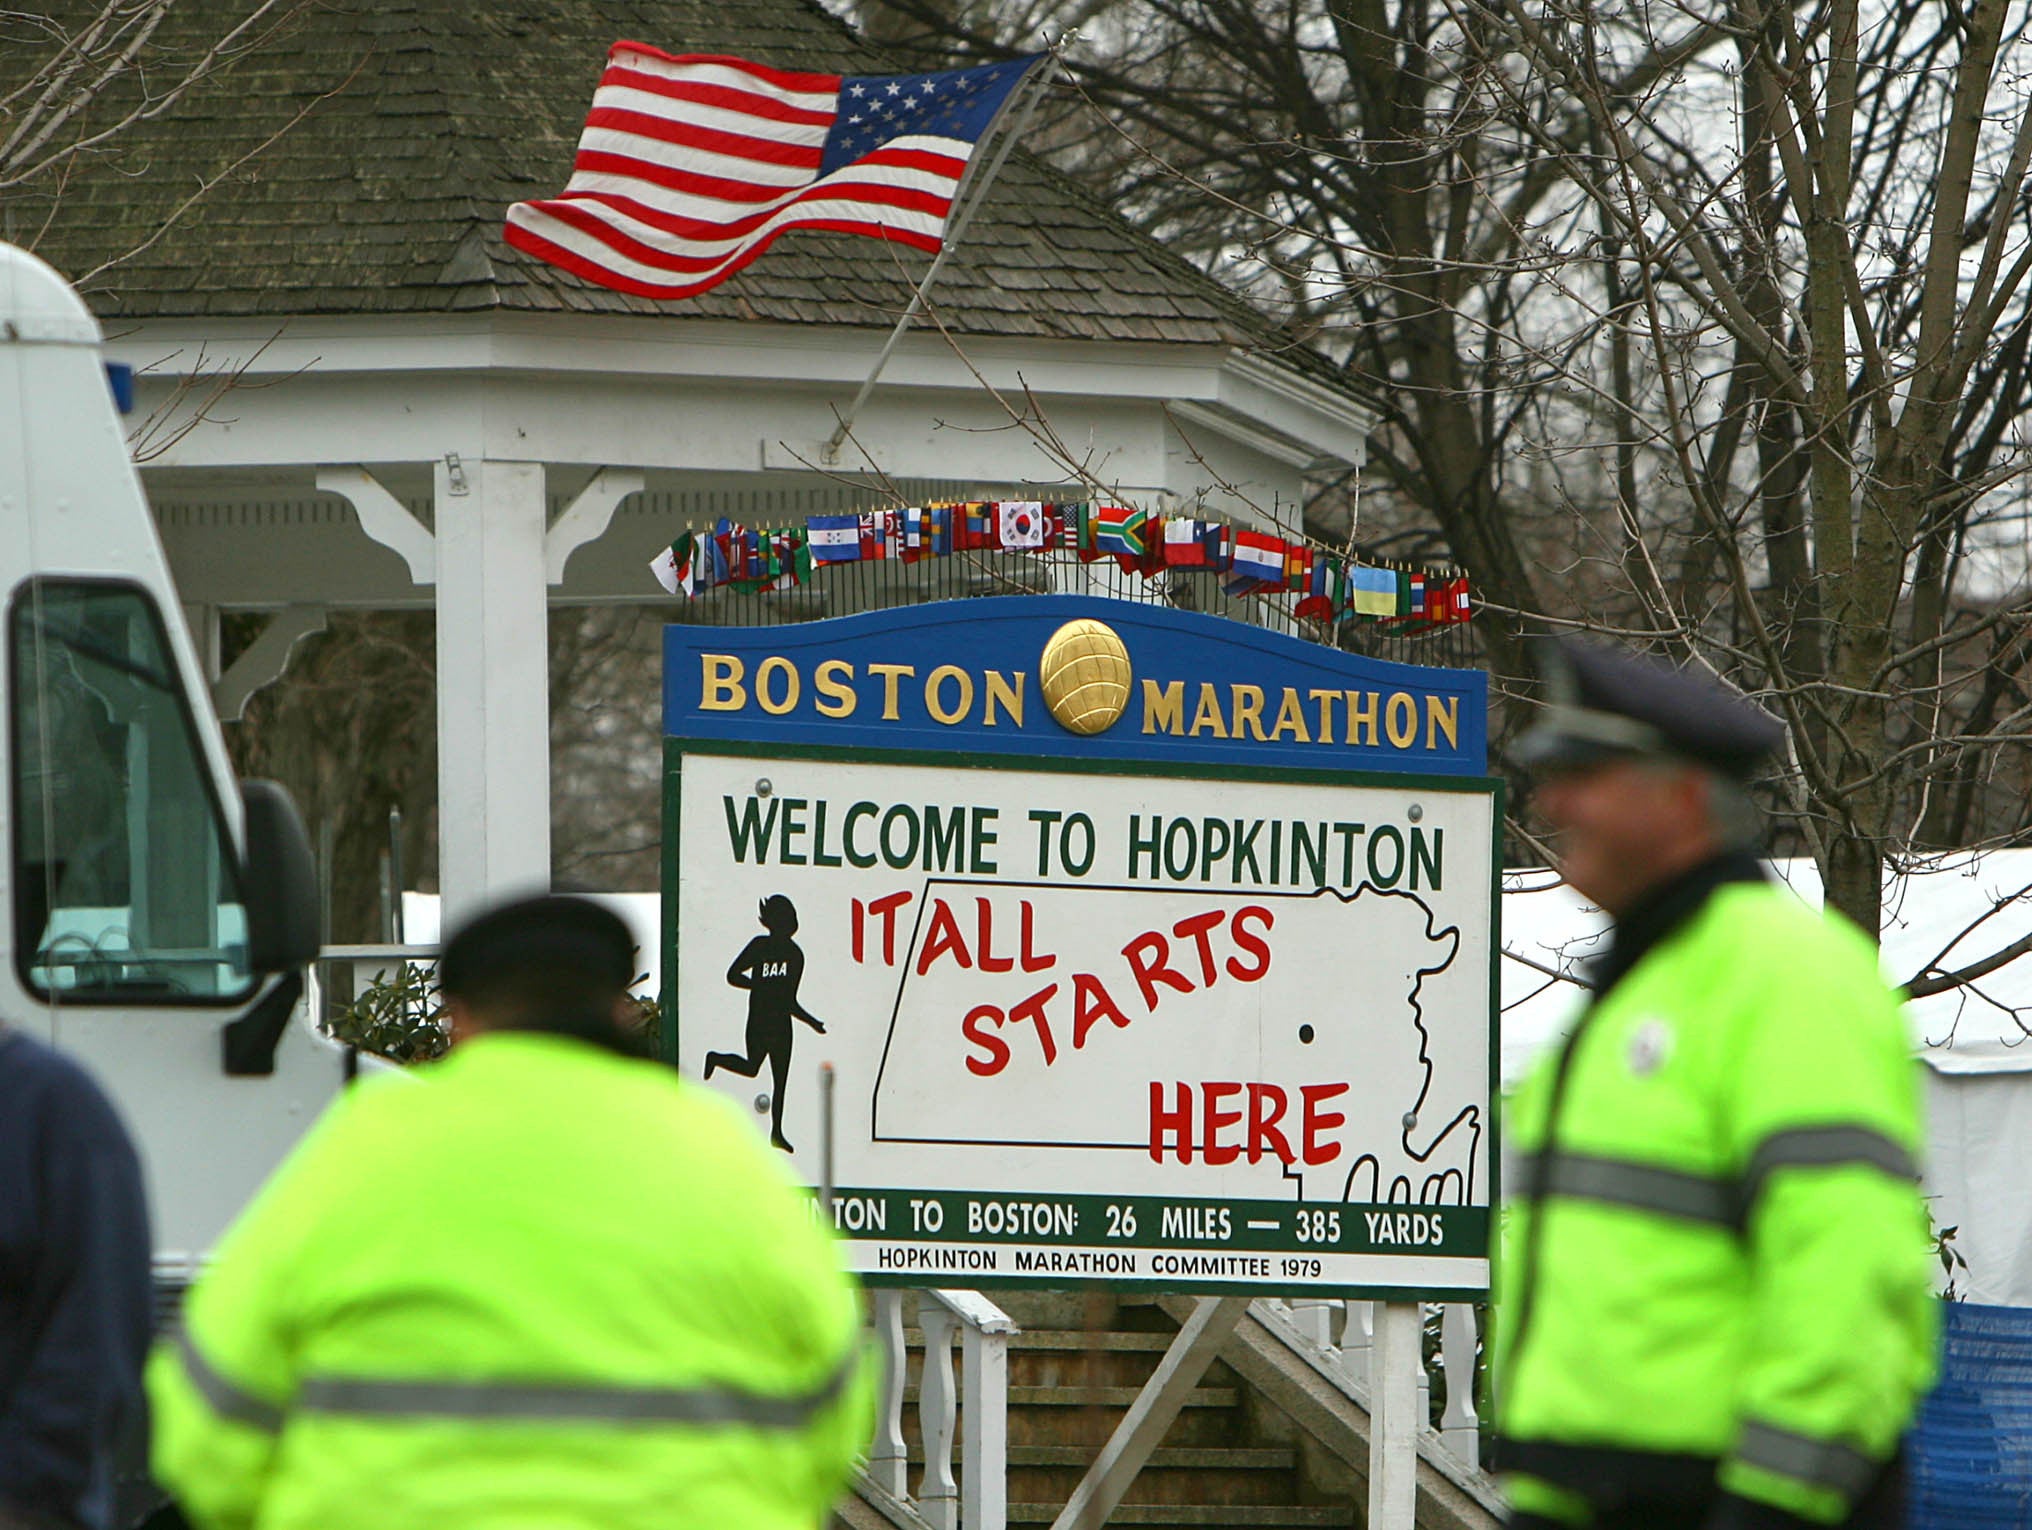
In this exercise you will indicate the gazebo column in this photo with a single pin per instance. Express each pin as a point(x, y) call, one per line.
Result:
point(493, 683)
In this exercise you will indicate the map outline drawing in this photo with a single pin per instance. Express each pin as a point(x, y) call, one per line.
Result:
point(1448, 936)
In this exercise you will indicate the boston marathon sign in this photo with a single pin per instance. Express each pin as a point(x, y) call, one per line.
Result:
point(1145, 947)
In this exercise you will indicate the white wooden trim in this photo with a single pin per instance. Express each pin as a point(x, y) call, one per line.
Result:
point(888, 1455)
point(493, 685)
point(1187, 414)
point(1459, 1426)
point(984, 1425)
point(831, 360)
point(586, 518)
point(938, 1492)
point(384, 518)
point(263, 661)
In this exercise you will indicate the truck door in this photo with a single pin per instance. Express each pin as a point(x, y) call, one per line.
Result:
point(130, 932)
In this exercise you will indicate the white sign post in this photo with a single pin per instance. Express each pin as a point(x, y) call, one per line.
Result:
point(1393, 1416)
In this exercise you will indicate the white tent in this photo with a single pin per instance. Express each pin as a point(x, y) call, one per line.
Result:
point(1978, 1054)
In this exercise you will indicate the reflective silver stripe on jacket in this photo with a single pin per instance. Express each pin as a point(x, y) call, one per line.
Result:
point(568, 1402)
point(1823, 1463)
point(225, 1399)
point(551, 1402)
point(1669, 1192)
point(1816, 1147)
point(1704, 1198)
point(564, 1403)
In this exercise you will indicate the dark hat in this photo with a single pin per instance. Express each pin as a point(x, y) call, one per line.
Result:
point(544, 934)
point(1607, 701)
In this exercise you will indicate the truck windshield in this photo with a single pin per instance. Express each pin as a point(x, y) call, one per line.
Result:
point(123, 885)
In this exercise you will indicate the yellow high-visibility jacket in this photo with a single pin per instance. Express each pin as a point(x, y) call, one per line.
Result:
point(1714, 1271)
point(540, 1284)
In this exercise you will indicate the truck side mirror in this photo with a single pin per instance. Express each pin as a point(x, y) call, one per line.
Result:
point(278, 882)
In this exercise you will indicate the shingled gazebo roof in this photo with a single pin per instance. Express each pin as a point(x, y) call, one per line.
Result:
point(420, 122)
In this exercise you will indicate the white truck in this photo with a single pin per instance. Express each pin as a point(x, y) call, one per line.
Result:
point(156, 917)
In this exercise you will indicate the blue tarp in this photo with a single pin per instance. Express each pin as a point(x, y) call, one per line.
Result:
point(1971, 1452)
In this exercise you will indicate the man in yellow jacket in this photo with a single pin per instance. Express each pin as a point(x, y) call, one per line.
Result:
point(541, 1283)
point(1713, 1306)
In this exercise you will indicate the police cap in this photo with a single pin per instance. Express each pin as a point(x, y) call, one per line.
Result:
point(549, 934)
point(1608, 701)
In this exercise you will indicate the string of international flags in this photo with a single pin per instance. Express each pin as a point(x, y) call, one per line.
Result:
point(1327, 585)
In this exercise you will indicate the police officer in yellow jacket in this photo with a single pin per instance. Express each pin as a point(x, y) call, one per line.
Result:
point(1712, 1303)
point(541, 1283)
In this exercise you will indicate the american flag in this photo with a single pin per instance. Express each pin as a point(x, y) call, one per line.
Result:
point(691, 165)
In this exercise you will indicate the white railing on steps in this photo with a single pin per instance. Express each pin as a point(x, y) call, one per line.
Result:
point(964, 1420)
point(1343, 1333)
point(1460, 1427)
point(971, 1493)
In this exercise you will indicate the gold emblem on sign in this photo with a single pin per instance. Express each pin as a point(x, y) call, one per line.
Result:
point(1084, 674)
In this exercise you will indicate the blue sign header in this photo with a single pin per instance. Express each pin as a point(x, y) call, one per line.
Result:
point(1074, 676)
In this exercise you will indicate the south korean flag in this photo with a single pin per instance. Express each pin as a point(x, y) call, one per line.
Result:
point(1022, 523)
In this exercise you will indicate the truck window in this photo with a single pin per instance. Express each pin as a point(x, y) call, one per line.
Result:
point(123, 887)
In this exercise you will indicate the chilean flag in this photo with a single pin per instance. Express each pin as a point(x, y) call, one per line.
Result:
point(1193, 544)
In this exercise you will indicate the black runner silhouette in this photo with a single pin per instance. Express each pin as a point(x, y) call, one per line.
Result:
point(770, 967)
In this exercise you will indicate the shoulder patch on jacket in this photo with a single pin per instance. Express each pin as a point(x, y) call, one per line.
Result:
point(1650, 1046)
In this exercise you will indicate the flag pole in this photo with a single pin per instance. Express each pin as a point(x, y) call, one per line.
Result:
point(829, 453)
